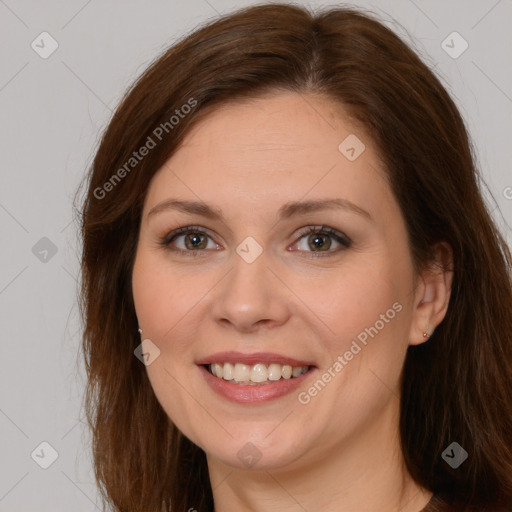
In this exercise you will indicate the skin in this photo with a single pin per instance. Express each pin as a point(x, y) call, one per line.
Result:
point(340, 451)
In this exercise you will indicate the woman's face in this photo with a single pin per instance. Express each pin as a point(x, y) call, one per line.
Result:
point(250, 278)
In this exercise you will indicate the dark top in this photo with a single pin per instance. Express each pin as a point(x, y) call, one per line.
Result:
point(438, 504)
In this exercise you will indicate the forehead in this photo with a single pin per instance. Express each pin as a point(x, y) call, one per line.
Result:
point(274, 148)
point(284, 121)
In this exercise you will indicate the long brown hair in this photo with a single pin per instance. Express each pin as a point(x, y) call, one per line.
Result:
point(457, 387)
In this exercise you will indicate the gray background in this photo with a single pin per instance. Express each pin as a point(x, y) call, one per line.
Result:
point(53, 112)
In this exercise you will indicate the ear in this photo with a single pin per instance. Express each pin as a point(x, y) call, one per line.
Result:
point(432, 295)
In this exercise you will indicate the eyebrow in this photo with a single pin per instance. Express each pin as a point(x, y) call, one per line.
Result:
point(285, 212)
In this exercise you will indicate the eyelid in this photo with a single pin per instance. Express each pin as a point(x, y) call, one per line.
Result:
point(344, 240)
point(183, 230)
point(340, 237)
point(167, 239)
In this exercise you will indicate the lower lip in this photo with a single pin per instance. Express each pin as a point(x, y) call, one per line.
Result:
point(253, 394)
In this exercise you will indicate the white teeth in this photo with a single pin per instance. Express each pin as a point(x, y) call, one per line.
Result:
point(286, 372)
point(217, 370)
point(241, 372)
point(296, 371)
point(259, 373)
point(274, 371)
point(226, 372)
point(256, 374)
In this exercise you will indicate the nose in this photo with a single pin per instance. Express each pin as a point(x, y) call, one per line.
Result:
point(251, 297)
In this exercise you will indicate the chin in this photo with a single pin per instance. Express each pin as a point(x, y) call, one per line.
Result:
point(254, 452)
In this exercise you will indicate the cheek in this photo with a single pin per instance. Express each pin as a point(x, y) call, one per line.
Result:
point(164, 298)
point(353, 299)
point(163, 295)
point(151, 296)
point(366, 312)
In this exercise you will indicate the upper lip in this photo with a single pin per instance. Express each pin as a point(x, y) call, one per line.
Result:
point(252, 359)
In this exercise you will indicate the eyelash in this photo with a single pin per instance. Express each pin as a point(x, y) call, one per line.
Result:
point(341, 238)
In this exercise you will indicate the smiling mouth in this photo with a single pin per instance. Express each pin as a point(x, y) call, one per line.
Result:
point(257, 374)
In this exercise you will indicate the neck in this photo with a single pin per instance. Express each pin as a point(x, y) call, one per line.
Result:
point(361, 474)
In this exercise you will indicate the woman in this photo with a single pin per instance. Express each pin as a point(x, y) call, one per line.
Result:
point(294, 296)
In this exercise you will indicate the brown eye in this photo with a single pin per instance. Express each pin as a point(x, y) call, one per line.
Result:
point(318, 240)
point(190, 239)
point(195, 241)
